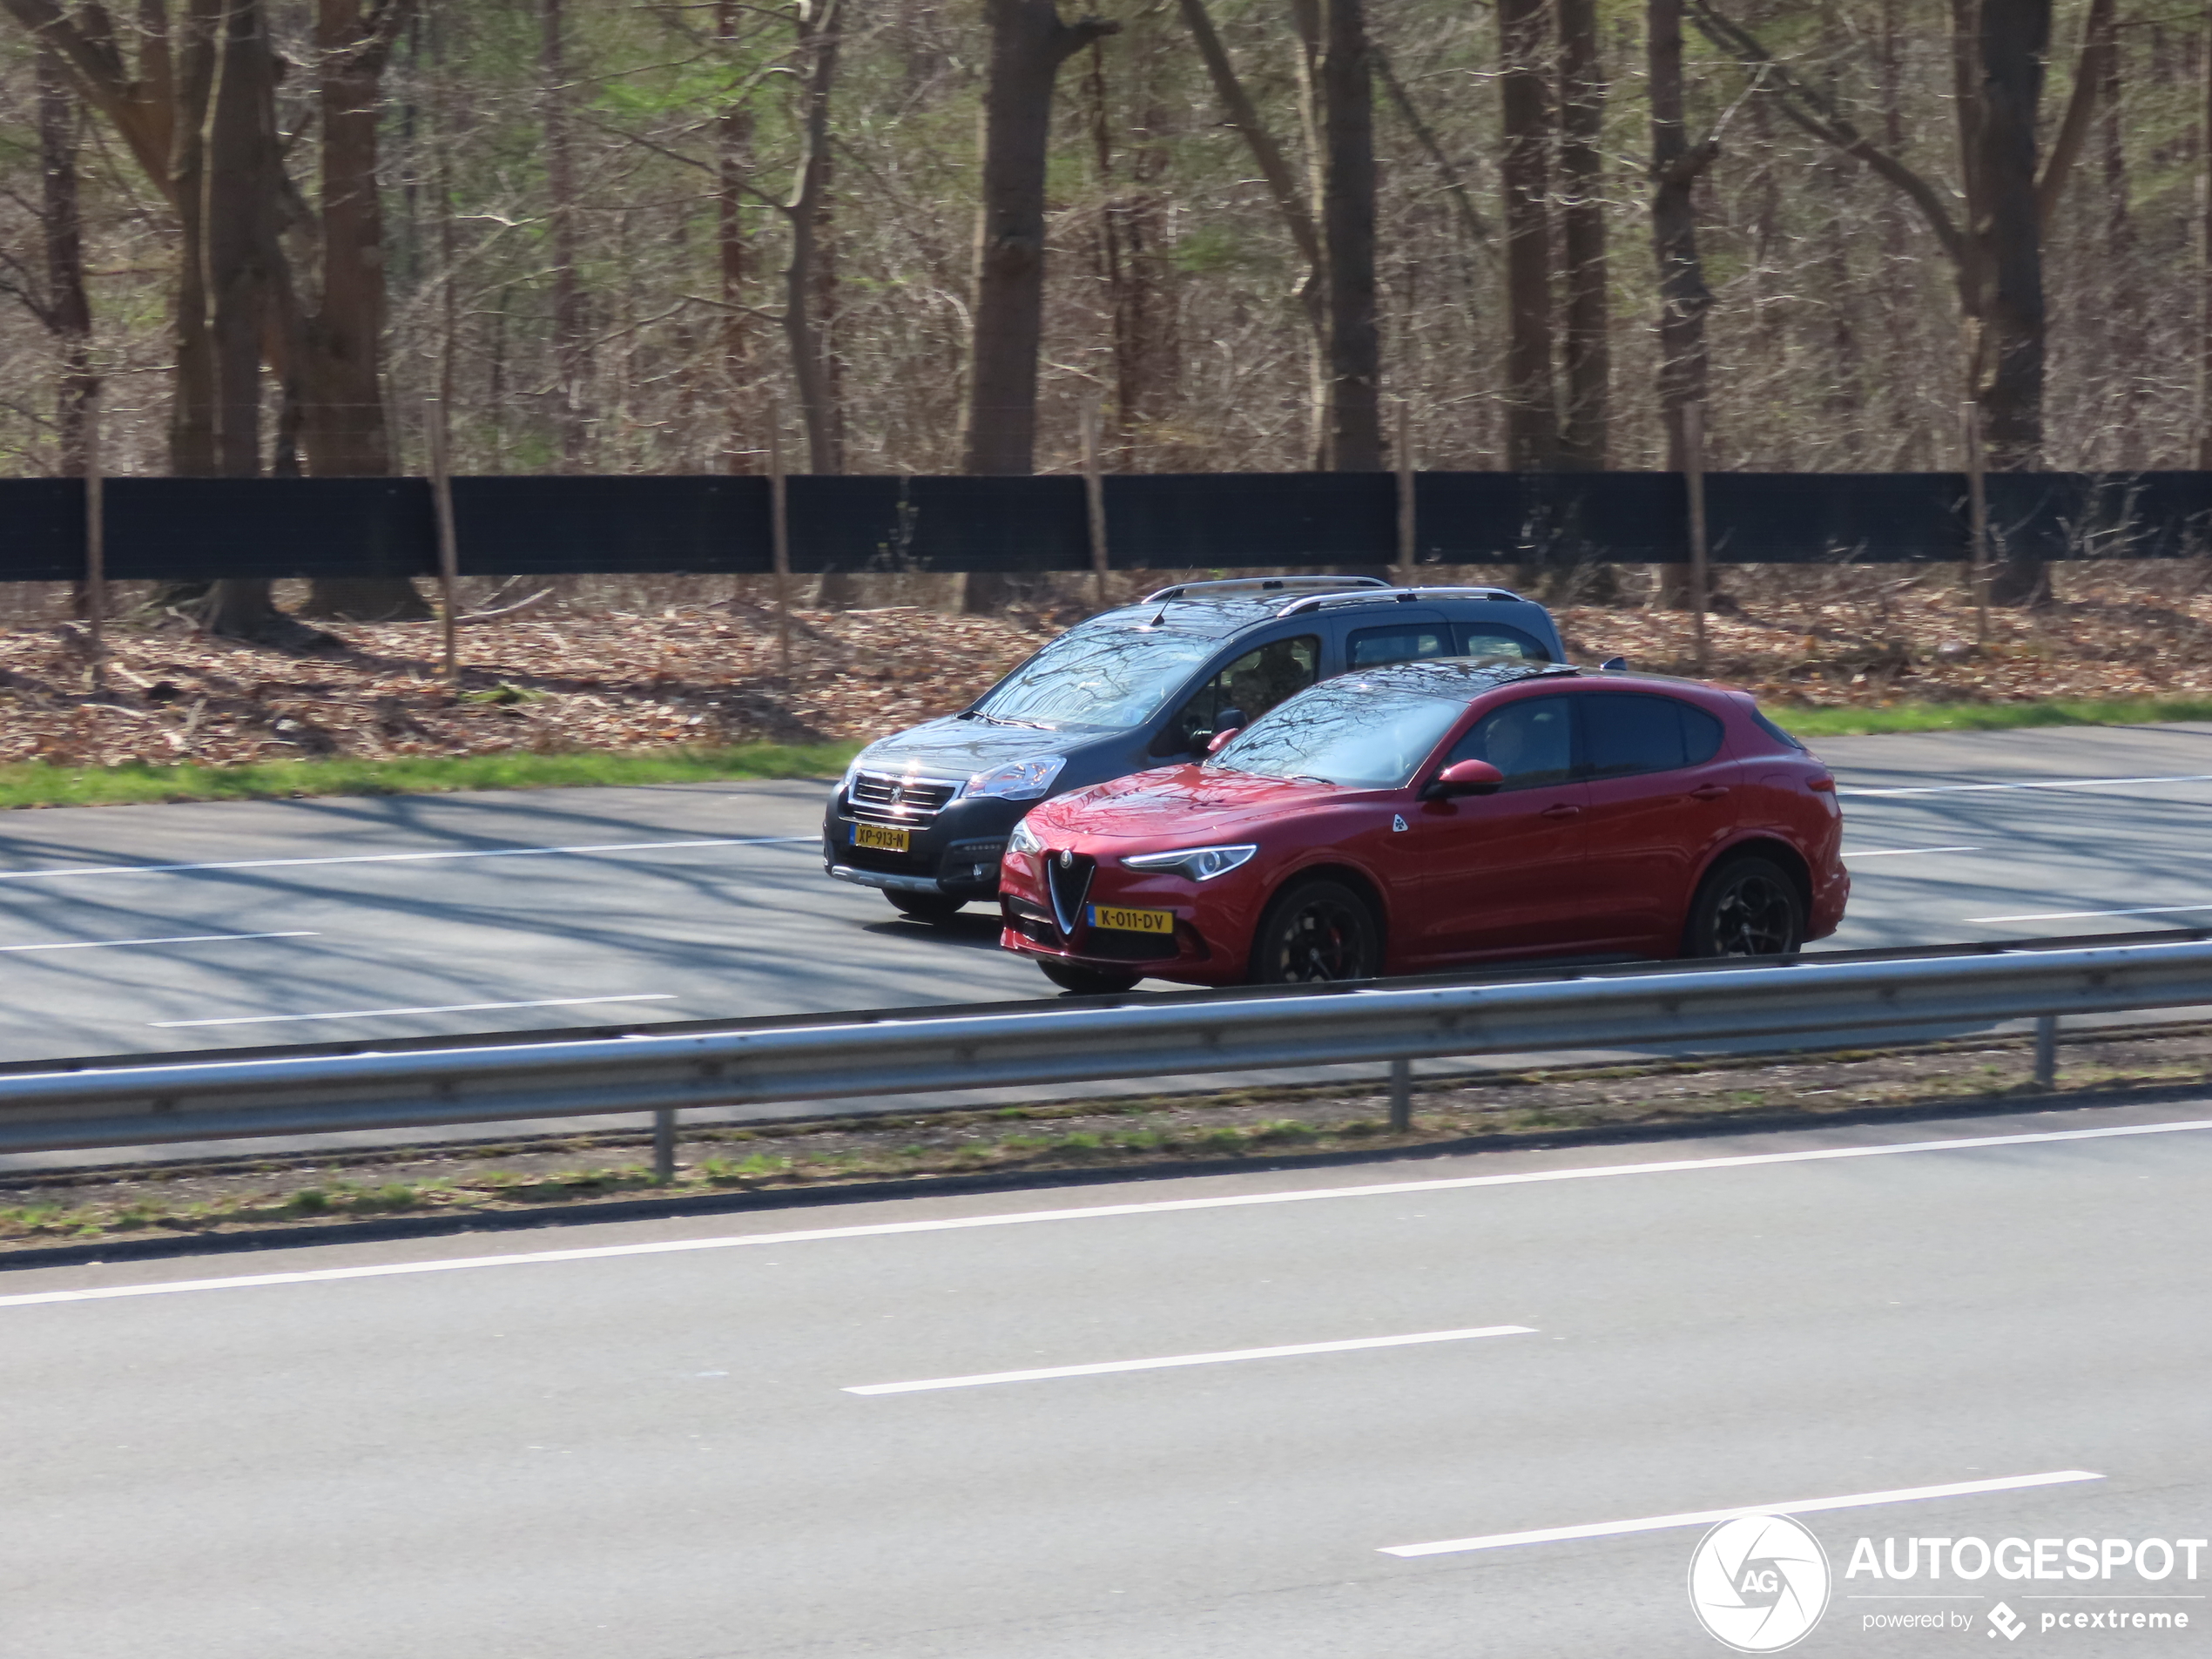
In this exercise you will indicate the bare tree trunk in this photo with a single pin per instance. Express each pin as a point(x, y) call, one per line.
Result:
point(1684, 297)
point(2125, 349)
point(2013, 36)
point(1532, 407)
point(1585, 442)
point(1292, 203)
point(242, 182)
point(819, 25)
point(68, 308)
point(1028, 43)
point(570, 350)
point(2204, 255)
point(733, 163)
point(344, 433)
point(191, 410)
point(1348, 233)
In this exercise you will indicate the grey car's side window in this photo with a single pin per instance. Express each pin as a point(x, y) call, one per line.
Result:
point(1404, 642)
point(1531, 741)
point(1498, 639)
point(1254, 682)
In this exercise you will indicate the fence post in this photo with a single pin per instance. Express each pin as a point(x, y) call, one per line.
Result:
point(1402, 1095)
point(2047, 1051)
point(664, 1145)
point(1406, 524)
point(95, 543)
point(448, 544)
point(1095, 496)
point(1978, 516)
point(780, 530)
point(1693, 457)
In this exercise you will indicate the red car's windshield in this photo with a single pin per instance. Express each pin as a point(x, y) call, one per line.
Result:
point(1346, 732)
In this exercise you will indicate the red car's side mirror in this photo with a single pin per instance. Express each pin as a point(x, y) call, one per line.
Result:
point(1464, 778)
point(1219, 741)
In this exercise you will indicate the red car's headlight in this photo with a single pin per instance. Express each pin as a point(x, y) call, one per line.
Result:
point(1198, 863)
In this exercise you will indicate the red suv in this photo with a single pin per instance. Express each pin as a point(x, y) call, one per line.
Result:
point(1434, 813)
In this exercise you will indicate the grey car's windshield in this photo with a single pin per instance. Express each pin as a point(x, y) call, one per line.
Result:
point(1115, 677)
point(1346, 732)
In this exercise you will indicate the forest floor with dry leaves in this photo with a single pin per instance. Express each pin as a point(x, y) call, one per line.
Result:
point(678, 664)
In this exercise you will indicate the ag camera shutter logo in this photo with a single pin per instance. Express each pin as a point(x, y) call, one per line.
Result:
point(1758, 1583)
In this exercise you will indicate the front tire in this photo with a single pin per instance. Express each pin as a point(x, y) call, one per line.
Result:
point(1316, 930)
point(1746, 906)
point(1089, 981)
point(924, 907)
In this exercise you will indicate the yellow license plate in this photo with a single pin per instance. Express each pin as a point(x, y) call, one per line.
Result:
point(1132, 921)
point(884, 840)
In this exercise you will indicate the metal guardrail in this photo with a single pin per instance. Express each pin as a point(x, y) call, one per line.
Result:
point(148, 1101)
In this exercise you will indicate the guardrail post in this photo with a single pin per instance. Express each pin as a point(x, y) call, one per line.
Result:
point(2046, 1050)
point(1402, 1095)
point(664, 1145)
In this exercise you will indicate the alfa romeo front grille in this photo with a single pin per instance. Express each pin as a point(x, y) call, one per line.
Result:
point(1068, 876)
point(889, 798)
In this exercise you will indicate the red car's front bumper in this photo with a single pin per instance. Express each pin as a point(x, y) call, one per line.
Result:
point(1213, 919)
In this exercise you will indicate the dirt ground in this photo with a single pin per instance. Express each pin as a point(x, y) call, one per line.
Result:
point(276, 1193)
point(591, 663)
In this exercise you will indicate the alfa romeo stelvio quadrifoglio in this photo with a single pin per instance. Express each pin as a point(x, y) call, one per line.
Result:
point(1430, 814)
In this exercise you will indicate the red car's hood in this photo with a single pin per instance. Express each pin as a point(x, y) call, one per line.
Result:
point(1185, 803)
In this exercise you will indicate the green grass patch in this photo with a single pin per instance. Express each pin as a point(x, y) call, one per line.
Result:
point(1987, 717)
point(35, 783)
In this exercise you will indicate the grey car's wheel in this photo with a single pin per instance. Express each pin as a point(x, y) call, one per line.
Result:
point(1746, 906)
point(1089, 981)
point(924, 907)
point(1318, 930)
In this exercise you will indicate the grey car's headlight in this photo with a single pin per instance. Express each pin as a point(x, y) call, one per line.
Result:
point(1019, 779)
point(1199, 863)
point(845, 785)
point(1024, 840)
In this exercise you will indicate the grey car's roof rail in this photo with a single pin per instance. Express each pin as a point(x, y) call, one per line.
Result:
point(1393, 596)
point(1231, 587)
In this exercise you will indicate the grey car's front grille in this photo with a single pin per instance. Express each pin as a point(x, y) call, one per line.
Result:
point(889, 798)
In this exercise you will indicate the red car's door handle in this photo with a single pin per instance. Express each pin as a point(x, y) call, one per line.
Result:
point(1709, 792)
point(1564, 809)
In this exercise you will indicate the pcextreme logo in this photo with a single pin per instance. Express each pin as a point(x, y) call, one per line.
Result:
point(1758, 1583)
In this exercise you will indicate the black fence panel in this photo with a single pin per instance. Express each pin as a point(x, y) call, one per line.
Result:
point(164, 528)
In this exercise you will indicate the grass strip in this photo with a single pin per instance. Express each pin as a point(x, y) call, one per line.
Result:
point(1986, 717)
point(37, 783)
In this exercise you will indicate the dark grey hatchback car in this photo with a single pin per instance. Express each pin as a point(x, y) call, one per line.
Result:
point(924, 814)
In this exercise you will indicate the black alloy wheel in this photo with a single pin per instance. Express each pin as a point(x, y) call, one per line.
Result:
point(1319, 930)
point(924, 907)
point(1089, 981)
point(1748, 907)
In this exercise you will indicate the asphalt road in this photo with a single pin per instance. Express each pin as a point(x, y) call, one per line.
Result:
point(644, 1440)
point(197, 927)
point(188, 927)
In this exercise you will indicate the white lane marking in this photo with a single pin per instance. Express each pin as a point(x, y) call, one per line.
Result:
point(2078, 916)
point(1907, 851)
point(181, 939)
point(1704, 1517)
point(450, 1007)
point(1157, 1207)
point(2056, 783)
point(406, 857)
point(1112, 1366)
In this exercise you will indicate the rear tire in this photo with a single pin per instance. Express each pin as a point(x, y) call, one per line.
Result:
point(924, 907)
point(1089, 981)
point(1745, 907)
point(1316, 930)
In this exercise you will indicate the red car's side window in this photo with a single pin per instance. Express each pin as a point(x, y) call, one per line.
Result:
point(1531, 741)
point(1624, 734)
